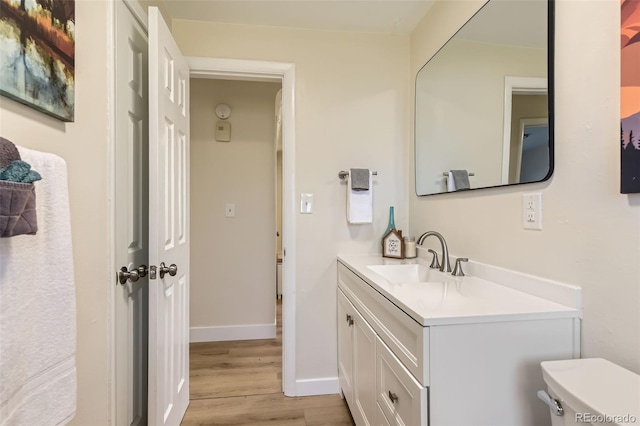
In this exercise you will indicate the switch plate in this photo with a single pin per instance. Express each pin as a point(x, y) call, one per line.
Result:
point(532, 211)
point(230, 210)
point(223, 131)
point(306, 203)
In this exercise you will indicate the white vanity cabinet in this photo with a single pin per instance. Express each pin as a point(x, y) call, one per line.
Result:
point(397, 366)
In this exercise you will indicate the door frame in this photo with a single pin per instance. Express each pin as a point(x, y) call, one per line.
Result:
point(249, 70)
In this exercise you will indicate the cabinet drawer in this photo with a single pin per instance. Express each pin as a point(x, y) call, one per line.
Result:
point(401, 398)
point(406, 338)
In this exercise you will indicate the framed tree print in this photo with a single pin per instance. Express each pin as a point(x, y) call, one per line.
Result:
point(630, 96)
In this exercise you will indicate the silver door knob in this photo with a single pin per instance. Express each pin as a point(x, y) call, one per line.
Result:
point(132, 275)
point(124, 274)
point(171, 270)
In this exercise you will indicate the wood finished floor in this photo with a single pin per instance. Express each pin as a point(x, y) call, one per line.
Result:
point(240, 383)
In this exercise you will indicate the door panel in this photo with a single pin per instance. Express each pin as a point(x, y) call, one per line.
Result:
point(364, 371)
point(168, 225)
point(345, 347)
point(131, 211)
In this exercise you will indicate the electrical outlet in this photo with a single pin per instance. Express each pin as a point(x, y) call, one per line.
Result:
point(532, 211)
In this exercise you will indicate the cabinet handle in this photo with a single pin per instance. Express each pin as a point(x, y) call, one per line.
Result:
point(349, 320)
point(393, 397)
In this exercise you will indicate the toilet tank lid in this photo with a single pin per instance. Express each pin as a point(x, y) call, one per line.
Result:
point(597, 385)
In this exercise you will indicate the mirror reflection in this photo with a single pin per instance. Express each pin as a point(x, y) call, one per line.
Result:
point(482, 102)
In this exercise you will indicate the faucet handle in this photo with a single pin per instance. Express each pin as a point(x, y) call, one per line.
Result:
point(457, 270)
point(434, 262)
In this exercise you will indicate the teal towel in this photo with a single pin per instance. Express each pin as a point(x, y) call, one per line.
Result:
point(19, 171)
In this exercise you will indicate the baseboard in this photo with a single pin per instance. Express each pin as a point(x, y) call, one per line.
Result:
point(310, 387)
point(232, 332)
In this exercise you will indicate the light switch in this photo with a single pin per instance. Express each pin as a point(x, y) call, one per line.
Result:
point(306, 203)
point(223, 131)
point(230, 210)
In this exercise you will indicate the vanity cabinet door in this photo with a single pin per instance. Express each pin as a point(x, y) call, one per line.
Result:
point(357, 363)
point(364, 372)
point(345, 347)
point(402, 398)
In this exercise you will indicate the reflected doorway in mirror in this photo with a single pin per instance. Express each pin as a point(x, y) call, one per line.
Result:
point(525, 100)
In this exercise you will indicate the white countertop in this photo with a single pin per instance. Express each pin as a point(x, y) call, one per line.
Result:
point(456, 300)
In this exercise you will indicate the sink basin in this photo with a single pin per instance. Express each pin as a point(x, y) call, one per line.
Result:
point(411, 273)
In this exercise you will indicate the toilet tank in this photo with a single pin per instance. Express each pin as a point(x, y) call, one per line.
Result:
point(593, 391)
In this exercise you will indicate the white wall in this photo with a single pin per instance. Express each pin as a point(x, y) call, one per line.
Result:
point(233, 259)
point(591, 234)
point(83, 144)
point(351, 111)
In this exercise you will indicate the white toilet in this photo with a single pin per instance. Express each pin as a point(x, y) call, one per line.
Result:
point(591, 391)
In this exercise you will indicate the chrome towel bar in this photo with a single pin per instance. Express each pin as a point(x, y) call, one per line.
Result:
point(343, 175)
point(447, 174)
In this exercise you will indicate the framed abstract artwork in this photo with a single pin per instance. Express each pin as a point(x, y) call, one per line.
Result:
point(37, 54)
point(630, 96)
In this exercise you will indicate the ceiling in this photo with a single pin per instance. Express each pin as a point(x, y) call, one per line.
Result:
point(378, 16)
point(520, 23)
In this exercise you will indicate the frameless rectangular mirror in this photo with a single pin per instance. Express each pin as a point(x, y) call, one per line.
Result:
point(484, 101)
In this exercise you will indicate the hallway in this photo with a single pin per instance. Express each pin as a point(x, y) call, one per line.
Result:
point(240, 383)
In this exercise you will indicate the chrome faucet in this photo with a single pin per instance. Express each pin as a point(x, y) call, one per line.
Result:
point(445, 266)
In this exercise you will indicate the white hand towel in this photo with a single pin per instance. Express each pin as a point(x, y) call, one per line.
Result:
point(451, 184)
point(38, 308)
point(360, 203)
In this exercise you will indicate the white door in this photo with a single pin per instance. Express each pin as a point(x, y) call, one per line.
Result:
point(168, 226)
point(131, 210)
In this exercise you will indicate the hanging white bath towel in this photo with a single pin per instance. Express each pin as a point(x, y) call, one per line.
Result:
point(38, 308)
point(360, 203)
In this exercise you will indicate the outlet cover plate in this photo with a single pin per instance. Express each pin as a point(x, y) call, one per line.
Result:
point(532, 211)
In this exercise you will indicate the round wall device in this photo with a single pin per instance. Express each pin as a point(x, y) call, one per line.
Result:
point(223, 111)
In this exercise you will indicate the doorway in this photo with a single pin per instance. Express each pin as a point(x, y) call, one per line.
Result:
point(524, 98)
point(233, 210)
point(532, 162)
point(246, 70)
